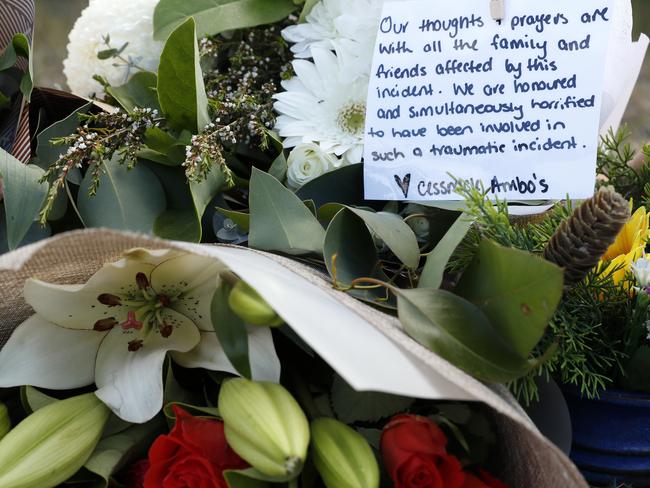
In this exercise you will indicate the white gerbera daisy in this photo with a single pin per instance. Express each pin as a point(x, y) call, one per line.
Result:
point(125, 21)
point(325, 103)
point(349, 28)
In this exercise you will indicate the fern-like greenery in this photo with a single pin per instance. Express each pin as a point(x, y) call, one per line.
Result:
point(588, 323)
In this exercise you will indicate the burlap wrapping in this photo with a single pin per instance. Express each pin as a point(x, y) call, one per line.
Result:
point(530, 460)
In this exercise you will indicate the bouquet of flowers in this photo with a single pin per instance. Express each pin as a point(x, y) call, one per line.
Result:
point(242, 122)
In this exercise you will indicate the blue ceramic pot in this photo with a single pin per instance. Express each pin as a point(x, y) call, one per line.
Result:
point(611, 437)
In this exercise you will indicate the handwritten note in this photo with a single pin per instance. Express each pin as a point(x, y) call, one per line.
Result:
point(457, 98)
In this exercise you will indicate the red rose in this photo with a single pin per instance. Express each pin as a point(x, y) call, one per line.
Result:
point(415, 456)
point(484, 480)
point(193, 455)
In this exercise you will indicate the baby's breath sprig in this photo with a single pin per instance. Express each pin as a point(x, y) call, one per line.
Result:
point(101, 137)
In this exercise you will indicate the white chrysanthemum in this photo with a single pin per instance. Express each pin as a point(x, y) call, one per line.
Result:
point(125, 21)
point(321, 105)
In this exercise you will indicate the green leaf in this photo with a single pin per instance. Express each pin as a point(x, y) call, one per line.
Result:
point(395, 233)
point(352, 406)
point(162, 148)
point(23, 196)
point(182, 221)
point(434, 269)
point(247, 478)
point(349, 239)
point(46, 153)
point(516, 290)
point(231, 331)
point(138, 92)
point(216, 16)
point(343, 185)
point(20, 46)
point(309, 4)
point(125, 200)
point(240, 218)
point(637, 371)
point(279, 221)
point(114, 452)
point(36, 232)
point(181, 91)
point(456, 330)
point(278, 168)
point(33, 399)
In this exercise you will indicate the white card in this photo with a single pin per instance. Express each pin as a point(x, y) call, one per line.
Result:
point(513, 107)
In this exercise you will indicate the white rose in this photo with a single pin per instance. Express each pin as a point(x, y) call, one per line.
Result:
point(306, 162)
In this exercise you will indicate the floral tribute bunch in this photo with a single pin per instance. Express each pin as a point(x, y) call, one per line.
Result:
point(155, 340)
point(241, 122)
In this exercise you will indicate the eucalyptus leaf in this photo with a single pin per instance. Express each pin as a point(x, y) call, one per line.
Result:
point(138, 92)
point(434, 268)
point(162, 147)
point(240, 218)
point(23, 196)
point(350, 253)
point(458, 331)
point(46, 152)
point(35, 233)
point(279, 221)
point(178, 225)
point(216, 16)
point(352, 406)
point(125, 200)
point(343, 185)
point(517, 291)
point(181, 91)
point(278, 168)
point(231, 330)
point(395, 233)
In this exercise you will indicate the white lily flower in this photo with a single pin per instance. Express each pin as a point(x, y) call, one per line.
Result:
point(117, 329)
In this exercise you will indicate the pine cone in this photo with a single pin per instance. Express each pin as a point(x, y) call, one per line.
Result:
point(581, 240)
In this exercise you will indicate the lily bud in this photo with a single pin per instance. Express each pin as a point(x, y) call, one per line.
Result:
point(342, 456)
point(5, 421)
point(251, 307)
point(265, 426)
point(50, 445)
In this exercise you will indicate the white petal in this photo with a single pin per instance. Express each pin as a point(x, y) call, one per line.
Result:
point(185, 271)
point(195, 304)
point(69, 306)
point(265, 364)
point(40, 353)
point(208, 354)
point(130, 383)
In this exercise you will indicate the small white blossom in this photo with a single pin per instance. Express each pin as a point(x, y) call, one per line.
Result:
point(306, 162)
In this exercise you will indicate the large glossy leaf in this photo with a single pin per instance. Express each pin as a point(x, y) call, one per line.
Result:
point(162, 147)
point(279, 221)
point(138, 92)
point(35, 233)
point(231, 330)
point(516, 290)
point(395, 233)
point(23, 196)
point(458, 331)
point(181, 91)
point(434, 269)
point(216, 16)
point(125, 200)
point(343, 185)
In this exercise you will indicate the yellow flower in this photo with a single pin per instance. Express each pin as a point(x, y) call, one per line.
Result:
point(628, 246)
point(633, 235)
